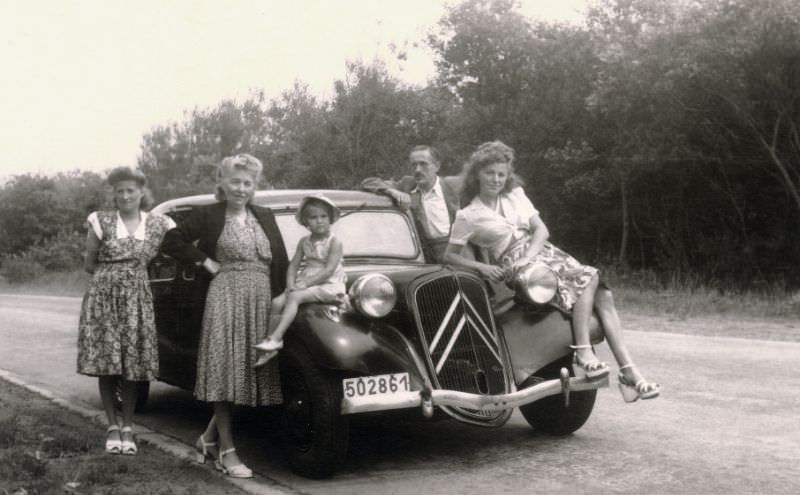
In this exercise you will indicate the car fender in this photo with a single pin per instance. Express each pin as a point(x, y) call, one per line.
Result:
point(537, 336)
point(356, 345)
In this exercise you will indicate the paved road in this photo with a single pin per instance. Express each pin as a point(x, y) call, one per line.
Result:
point(727, 423)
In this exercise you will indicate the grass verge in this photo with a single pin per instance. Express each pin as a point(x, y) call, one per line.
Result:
point(45, 449)
point(683, 297)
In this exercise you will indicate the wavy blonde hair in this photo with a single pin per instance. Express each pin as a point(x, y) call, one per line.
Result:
point(230, 164)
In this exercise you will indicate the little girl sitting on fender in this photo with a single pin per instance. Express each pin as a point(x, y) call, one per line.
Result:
point(315, 273)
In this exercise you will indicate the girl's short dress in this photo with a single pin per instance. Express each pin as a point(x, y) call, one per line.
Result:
point(116, 332)
point(315, 257)
point(505, 233)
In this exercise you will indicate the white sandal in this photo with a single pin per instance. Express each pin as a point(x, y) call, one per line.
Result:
point(268, 345)
point(202, 450)
point(631, 392)
point(113, 446)
point(129, 446)
point(237, 471)
point(594, 369)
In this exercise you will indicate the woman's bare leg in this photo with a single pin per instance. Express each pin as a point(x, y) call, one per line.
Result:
point(106, 385)
point(223, 421)
point(129, 396)
point(210, 434)
point(607, 312)
point(581, 316)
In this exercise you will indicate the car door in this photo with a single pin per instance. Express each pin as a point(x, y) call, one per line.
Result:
point(179, 301)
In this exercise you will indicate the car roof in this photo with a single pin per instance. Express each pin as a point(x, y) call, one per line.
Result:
point(280, 199)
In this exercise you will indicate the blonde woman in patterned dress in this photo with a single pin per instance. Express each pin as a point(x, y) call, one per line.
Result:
point(499, 217)
point(242, 251)
point(116, 333)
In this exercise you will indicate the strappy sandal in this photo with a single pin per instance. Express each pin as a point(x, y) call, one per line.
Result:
point(113, 445)
point(129, 446)
point(631, 392)
point(237, 471)
point(594, 369)
point(202, 450)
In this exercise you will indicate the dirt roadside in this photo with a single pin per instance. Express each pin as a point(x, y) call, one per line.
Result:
point(45, 449)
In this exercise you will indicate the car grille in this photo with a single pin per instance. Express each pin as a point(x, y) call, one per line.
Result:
point(463, 349)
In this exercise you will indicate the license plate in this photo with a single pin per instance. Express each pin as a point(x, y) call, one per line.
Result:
point(367, 386)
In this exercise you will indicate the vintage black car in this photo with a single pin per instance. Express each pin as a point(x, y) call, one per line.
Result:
point(414, 335)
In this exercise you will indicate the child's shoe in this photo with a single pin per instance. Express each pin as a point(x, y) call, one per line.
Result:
point(268, 345)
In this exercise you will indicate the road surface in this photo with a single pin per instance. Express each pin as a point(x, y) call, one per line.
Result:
point(727, 422)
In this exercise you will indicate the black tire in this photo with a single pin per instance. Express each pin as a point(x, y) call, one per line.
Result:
point(549, 415)
point(142, 394)
point(315, 432)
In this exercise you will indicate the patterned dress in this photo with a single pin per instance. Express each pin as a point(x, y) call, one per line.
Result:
point(236, 318)
point(117, 333)
point(505, 233)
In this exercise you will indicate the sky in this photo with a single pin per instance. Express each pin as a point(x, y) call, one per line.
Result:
point(83, 81)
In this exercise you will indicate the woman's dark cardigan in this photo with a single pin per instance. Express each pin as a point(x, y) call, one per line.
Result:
point(205, 223)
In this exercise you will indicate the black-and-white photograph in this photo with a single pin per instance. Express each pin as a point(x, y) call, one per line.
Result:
point(420, 247)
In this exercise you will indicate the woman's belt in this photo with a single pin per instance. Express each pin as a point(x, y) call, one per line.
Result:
point(244, 266)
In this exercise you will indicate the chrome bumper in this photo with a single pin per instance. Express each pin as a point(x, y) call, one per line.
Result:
point(428, 401)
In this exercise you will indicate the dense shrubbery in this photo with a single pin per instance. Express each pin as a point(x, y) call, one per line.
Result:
point(61, 253)
point(18, 269)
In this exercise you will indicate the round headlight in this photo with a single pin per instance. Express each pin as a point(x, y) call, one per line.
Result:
point(536, 282)
point(373, 294)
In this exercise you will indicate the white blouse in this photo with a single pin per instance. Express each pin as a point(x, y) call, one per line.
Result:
point(490, 229)
point(122, 230)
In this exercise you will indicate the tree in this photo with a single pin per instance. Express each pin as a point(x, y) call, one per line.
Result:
point(636, 122)
point(181, 158)
point(741, 70)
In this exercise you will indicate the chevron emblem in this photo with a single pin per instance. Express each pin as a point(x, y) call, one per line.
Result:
point(465, 316)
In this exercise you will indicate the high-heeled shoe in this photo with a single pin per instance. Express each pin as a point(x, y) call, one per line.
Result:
point(129, 446)
point(594, 369)
point(642, 389)
point(113, 445)
point(237, 471)
point(268, 345)
point(203, 451)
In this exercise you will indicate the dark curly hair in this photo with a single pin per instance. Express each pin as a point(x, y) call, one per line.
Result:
point(119, 174)
point(484, 155)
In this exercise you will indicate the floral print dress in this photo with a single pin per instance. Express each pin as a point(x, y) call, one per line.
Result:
point(505, 233)
point(116, 332)
point(236, 318)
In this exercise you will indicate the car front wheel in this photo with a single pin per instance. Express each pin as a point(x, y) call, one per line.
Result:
point(315, 431)
point(550, 415)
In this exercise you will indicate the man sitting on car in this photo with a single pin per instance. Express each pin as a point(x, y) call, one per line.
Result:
point(433, 200)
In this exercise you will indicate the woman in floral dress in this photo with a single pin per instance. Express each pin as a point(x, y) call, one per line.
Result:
point(500, 218)
point(242, 251)
point(116, 333)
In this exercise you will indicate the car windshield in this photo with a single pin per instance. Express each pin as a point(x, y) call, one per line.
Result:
point(365, 234)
